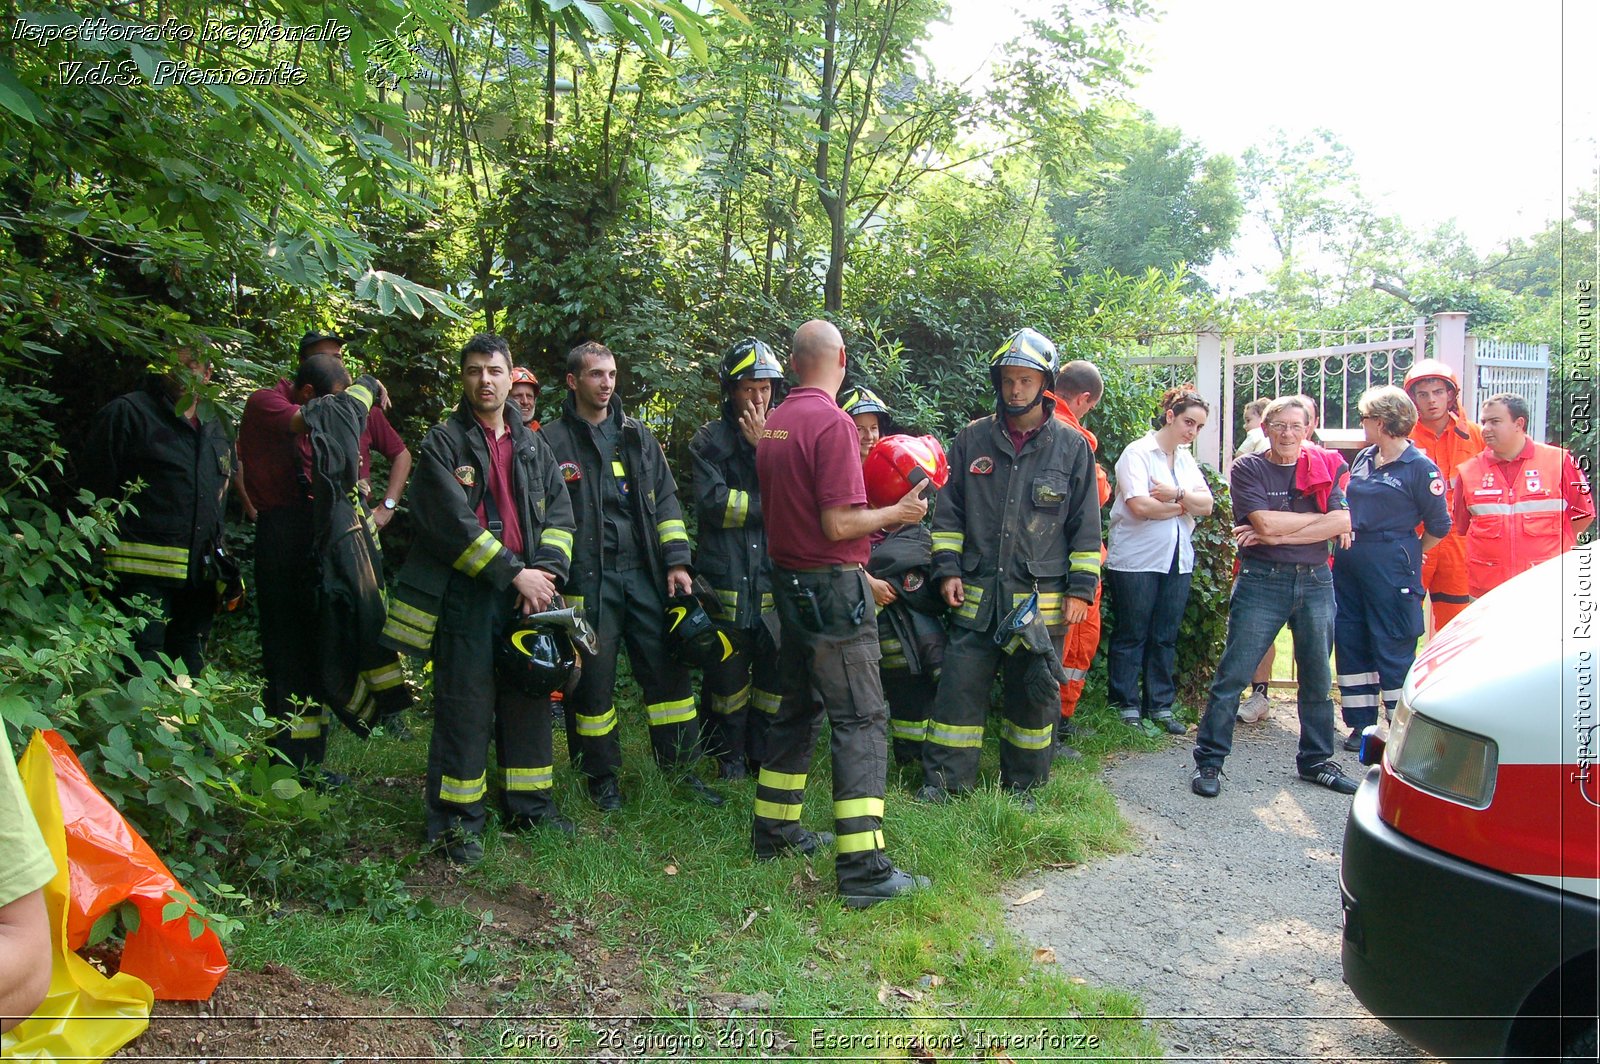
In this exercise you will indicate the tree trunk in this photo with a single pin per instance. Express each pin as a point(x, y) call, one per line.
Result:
point(550, 94)
point(832, 199)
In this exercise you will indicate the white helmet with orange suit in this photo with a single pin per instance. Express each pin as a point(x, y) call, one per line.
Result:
point(1433, 368)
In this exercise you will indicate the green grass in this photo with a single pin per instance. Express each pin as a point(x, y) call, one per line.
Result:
point(720, 921)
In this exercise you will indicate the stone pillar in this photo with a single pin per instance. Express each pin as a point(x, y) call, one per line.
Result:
point(1208, 381)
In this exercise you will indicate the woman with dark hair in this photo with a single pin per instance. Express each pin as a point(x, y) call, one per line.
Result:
point(1377, 578)
point(1150, 560)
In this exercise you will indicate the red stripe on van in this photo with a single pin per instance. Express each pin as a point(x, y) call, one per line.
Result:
point(1542, 821)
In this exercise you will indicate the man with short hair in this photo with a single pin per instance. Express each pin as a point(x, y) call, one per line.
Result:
point(1016, 546)
point(1448, 439)
point(815, 501)
point(630, 554)
point(272, 436)
point(170, 543)
point(1519, 502)
point(1078, 388)
point(1284, 534)
point(1257, 705)
point(494, 539)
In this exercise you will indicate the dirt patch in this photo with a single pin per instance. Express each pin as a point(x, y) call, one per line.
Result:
point(273, 1014)
point(1226, 920)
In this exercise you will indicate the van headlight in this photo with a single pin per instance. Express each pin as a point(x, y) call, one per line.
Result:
point(1447, 761)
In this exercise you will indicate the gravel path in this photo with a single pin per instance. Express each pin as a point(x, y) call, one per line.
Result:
point(1226, 920)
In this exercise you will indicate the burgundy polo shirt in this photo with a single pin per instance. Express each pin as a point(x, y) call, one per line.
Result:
point(809, 459)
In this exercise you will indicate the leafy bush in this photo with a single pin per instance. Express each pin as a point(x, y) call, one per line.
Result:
point(1205, 620)
point(185, 761)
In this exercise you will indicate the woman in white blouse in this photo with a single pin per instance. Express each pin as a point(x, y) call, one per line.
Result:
point(1160, 492)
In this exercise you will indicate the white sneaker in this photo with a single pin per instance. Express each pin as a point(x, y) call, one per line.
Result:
point(1255, 709)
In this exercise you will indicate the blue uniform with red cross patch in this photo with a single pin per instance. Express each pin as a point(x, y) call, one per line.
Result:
point(1377, 580)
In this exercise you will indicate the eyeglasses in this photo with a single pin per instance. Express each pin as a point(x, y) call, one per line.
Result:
point(1284, 426)
point(1369, 417)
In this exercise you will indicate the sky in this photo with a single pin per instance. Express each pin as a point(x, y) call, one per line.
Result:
point(1487, 113)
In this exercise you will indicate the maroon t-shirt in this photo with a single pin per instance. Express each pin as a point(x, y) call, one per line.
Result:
point(505, 502)
point(269, 450)
point(380, 436)
point(809, 460)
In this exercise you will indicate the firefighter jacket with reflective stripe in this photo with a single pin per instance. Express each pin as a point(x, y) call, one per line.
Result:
point(448, 485)
point(185, 470)
point(357, 676)
point(1011, 523)
point(731, 547)
point(643, 476)
point(1518, 513)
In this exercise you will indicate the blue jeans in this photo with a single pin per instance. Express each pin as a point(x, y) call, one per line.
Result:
point(1145, 640)
point(1266, 596)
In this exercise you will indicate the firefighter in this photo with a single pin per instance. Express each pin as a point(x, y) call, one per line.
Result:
point(1448, 439)
point(525, 397)
point(376, 433)
point(1377, 579)
point(1520, 502)
point(818, 523)
point(740, 691)
point(171, 542)
point(272, 450)
point(494, 539)
point(1019, 518)
point(630, 554)
point(911, 633)
point(1078, 388)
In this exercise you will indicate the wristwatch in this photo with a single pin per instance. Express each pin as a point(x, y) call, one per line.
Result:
point(388, 503)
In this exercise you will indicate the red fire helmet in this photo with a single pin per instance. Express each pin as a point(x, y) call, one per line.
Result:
point(896, 464)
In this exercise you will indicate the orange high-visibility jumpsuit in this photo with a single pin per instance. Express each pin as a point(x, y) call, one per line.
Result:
point(1444, 568)
point(1083, 639)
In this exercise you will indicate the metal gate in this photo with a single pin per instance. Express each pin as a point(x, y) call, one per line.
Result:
point(1498, 366)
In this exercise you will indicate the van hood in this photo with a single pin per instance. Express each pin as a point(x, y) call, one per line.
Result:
point(1518, 665)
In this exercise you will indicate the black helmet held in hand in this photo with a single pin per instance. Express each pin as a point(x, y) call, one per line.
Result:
point(534, 657)
point(692, 636)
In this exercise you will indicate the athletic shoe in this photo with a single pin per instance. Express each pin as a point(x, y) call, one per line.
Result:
point(1256, 708)
point(1172, 724)
point(1330, 775)
point(1206, 781)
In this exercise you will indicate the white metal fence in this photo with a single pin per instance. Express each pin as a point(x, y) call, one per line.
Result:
point(1498, 366)
point(1334, 368)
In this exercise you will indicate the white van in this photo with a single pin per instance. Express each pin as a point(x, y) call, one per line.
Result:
point(1471, 871)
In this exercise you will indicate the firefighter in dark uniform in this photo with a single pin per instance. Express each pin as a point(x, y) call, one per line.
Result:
point(169, 547)
point(494, 539)
point(1377, 579)
point(740, 691)
point(630, 553)
point(817, 527)
point(911, 631)
point(1019, 518)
